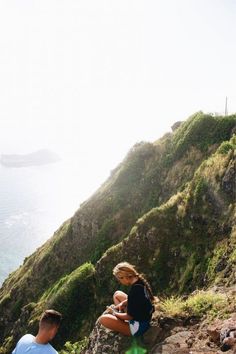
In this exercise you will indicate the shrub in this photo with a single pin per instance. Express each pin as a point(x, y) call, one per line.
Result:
point(74, 348)
point(225, 147)
point(202, 303)
point(173, 306)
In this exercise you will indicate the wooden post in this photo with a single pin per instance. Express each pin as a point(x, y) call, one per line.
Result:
point(226, 106)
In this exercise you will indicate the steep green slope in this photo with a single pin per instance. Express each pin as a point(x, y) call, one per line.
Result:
point(189, 241)
point(179, 242)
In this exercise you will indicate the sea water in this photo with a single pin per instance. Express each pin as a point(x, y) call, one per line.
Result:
point(34, 202)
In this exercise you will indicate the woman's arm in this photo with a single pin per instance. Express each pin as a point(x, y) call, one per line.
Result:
point(122, 316)
point(122, 305)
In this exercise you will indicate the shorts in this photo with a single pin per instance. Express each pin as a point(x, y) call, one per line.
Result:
point(137, 328)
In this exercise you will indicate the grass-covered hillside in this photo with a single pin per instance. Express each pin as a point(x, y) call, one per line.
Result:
point(169, 208)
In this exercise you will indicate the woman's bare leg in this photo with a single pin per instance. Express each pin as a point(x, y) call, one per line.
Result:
point(115, 324)
point(119, 296)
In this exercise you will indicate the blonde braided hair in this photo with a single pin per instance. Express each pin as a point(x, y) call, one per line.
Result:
point(128, 270)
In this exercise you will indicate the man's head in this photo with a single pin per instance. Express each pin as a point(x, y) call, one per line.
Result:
point(49, 324)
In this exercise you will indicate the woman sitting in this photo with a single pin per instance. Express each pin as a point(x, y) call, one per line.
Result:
point(131, 314)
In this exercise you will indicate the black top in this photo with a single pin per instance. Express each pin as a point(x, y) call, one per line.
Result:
point(139, 304)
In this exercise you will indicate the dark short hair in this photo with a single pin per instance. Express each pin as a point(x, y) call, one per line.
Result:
point(50, 318)
point(225, 347)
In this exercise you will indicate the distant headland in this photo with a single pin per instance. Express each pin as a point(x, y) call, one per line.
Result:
point(37, 158)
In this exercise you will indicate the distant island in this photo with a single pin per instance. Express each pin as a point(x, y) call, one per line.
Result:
point(37, 158)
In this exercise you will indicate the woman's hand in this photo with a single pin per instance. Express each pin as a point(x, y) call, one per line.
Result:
point(111, 309)
point(121, 306)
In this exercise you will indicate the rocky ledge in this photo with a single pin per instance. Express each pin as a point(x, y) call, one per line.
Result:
point(168, 335)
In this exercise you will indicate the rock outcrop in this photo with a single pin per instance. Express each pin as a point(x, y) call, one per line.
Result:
point(185, 334)
point(166, 336)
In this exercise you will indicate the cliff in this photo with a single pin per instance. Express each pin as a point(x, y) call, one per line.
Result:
point(169, 208)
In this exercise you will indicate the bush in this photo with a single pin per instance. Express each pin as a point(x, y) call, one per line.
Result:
point(74, 348)
point(173, 306)
point(203, 303)
point(198, 304)
point(225, 147)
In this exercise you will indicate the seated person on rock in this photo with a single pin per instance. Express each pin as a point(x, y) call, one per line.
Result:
point(48, 327)
point(228, 339)
point(137, 306)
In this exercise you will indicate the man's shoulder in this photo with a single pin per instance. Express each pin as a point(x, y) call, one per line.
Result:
point(27, 338)
point(23, 343)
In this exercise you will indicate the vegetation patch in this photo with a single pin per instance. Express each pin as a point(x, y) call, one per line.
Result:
point(104, 239)
point(6, 348)
point(173, 306)
point(71, 296)
point(206, 303)
point(202, 130)
point(225, 147)
point(200, 303)
point(217, 262)
point(200, 190)
point(74, 348)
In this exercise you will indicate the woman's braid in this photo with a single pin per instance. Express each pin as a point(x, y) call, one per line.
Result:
point(146, 283)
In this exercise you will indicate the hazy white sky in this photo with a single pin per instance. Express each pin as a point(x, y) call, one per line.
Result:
point(93, 77)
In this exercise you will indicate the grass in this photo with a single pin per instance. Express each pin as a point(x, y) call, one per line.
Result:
point(172, 306)
point(205, 303)
point(203, 130)
point(198, 304)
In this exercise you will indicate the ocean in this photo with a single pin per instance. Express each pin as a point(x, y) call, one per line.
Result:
point(34, 202)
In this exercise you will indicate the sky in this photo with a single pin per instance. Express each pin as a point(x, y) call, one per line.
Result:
point(90, 78)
